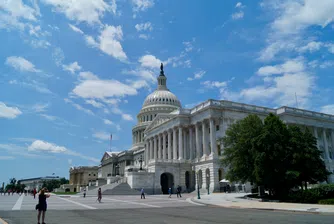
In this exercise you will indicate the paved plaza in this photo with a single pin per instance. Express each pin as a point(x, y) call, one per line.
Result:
point(131, 209)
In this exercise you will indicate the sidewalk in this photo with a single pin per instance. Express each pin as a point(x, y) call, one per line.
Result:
point(236, 200)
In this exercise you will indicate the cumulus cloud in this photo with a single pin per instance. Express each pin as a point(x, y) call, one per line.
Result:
point(110, 42)
point(89, 11)
point(21, 64)
point(9, 112)
point(72, 68)
point(43, 146)
point(149, 61)
point(127, 117)
point(88, 76)
point(290, 66)
point(142, 5)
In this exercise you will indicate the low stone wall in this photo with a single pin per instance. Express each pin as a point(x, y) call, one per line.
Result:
point(139, 180)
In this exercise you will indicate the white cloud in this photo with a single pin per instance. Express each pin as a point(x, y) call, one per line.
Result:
point(40, 107)
point(6, 158)
point(102, 135)
point(238, 15)
point(91, 42)
point(75, 29)
point(290, 66)
point(49, 117)
point(144, 36)
point(95, 103)
point(146, 74)
point(214, 84)
point(144, 26)
point(110, 42)
point(239, 5)
point(88, 76)
point(47, 147)
point(43, 146)
point(142, 5)
point(58, 56)
point(150, 61)
point(73, 67)
point(79, 107)
point(298, 15)
point(328, 109)
point(21, 64)
point(311, 46)
point(17, 9)
point(188, 45)
point(39, 87)
point(108, 122)
point(90, 11)
point(8, 112)
point(101, 89)
point(127, 117)
point(197, 75)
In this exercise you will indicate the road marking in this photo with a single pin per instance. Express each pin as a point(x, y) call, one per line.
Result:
point(192, 202)
point(18, 203)
point(77, 203)
point(3, 221)
point(135, 203)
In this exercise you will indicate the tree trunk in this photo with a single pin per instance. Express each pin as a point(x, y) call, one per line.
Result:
point(305, 185)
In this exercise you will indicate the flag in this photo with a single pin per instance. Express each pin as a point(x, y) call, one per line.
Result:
point(110, 136)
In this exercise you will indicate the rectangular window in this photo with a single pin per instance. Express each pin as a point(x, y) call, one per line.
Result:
point(218, 149)
point(217, 127)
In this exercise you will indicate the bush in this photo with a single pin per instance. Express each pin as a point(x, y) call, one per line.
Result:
point(313, 195)
point(327, 201)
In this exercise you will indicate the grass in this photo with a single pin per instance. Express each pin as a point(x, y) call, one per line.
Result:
point(64, 193)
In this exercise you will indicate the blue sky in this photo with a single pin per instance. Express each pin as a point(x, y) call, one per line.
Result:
point(72, 72)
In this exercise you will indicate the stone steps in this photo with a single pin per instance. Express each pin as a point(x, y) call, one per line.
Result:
point(121, 189)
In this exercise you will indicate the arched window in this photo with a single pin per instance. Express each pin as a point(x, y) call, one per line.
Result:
point(151, 117)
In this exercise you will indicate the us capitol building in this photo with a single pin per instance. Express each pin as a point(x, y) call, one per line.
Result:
point(175, 146)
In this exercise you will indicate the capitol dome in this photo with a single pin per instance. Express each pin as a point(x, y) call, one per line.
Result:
point(161, 97)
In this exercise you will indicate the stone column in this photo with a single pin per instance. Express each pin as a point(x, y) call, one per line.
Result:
point(147, 150)
point(155, 148)
point(159, 146)
point(137, 133)
point(151, 149)
point(325, 141)
point(213, 138)
point(164, 152)
point(180, 144)
point(174, 144)
point(185, 146)
point(205, 143)
point(191, 147)
point(315, 129)
point(198, 146)
point(169, 145)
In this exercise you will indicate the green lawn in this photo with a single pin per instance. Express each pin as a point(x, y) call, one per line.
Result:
point(64, 193)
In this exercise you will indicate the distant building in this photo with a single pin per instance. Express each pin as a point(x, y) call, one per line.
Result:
point(80, 177)
point(36, 182)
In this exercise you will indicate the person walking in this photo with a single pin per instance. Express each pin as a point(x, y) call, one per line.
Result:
point(142, 194)
point(42, 206)
point(179, 189)
point(99, 195)
point(84, 193)
point(170, 192)
point(34, 192)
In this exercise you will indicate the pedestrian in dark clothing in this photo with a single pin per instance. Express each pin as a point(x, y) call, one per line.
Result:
point(42, 206)
point(99, 195)
point(170, 192)
point(84, 193)
point(142, 194)
point(179, 189)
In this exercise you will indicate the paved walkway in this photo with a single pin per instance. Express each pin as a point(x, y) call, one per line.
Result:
point(236, 200)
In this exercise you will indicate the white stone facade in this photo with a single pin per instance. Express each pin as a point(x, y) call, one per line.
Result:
point(179, 146)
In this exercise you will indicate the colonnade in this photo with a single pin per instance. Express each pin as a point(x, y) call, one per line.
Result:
point(325, 142)
point(138, 136)
point(183, 142)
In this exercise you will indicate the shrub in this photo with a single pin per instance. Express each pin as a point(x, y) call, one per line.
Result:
point(312, 195)
point(327, 201)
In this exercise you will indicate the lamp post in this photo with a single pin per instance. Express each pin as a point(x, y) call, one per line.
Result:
point(198, 194)
point(208, 183)
point(141, 163)
point(117, 169)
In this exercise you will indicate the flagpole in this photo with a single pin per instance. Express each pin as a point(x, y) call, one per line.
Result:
point(110, 142)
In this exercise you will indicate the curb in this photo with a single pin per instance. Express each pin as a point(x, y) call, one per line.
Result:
point(261, 209)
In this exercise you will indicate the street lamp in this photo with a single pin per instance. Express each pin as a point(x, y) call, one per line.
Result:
point(141, 163)
point(207, 182)
point(198, 194)
point(117, 169)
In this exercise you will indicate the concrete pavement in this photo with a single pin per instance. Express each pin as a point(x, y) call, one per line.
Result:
point(237, 200)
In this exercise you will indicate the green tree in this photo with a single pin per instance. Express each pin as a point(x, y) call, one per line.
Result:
point(306, 161)
point(239, 152)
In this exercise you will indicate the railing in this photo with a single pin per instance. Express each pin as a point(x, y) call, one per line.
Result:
point(305, 113)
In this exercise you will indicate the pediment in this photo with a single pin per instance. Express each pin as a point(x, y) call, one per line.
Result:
point(158, 120)
point(105, 156)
